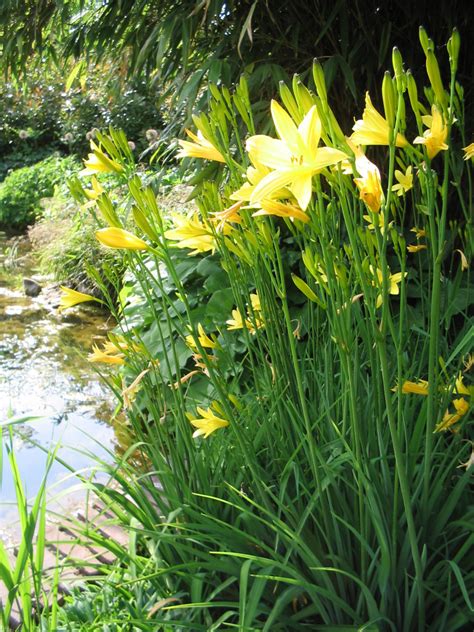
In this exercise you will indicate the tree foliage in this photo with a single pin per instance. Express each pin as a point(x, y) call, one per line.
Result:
point(182, 44)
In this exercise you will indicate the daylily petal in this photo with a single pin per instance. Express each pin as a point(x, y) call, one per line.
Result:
point(310, 130)
point(275, 181)
point(269, 151)
point(287, 129)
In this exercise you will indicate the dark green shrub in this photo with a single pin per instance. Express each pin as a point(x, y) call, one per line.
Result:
point(22, 190)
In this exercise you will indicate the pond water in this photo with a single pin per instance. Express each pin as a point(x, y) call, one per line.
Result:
point(44, 373)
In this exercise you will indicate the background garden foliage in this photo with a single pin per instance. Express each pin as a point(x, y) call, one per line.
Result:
point(293, 356)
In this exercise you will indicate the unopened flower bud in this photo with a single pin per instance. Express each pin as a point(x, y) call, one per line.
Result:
point(434, 75)
point(389, 99)
point(454, 44)
point(320, 81)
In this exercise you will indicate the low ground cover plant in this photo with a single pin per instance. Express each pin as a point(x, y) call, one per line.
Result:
point(294, 362)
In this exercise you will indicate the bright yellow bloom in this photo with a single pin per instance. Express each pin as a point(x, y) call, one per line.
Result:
point(70, 297)
point(449, 419)
point(294, 159)
point(207, 423)
point(404, 180)
point(434, 138)
point(369, 183)
point(114, 237)
point(254, 320)
point(200, 148)
point(418, 388)
point(273, 207)
point(190, 232)
point(416, 247)
point(393, 281)
point(203, 338)
point(106, 355)
point(373, 129)
point(99, 162)
point(468, 151)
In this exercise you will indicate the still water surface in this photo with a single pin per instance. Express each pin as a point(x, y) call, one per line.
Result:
point(44, 373)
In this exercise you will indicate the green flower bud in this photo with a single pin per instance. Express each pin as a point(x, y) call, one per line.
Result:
point(424, 39)
point(320, 81)
point(290, 103)
point(434, 75)
point(389, 99)
point(454, 44)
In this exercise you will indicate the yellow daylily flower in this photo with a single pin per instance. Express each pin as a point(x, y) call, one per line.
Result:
point(294, 159)
point(273, 207)
point(373, 129)
point(207, 423)
point(106, 355)
point(203, 338)
point(190, 232)
point(199, 148)
point(416, 247)
point(369, 183)
point(393, 280)
point(114, 237)
point(70, 297)
point(449, 419)
point(99, 162)
point(434, 138)
point(468, 151)
point(404, 181)
point(254, 320)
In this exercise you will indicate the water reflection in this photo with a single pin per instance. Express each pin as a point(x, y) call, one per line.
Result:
point(44, 373)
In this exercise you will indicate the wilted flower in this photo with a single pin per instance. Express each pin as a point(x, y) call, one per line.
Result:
point(416, 247)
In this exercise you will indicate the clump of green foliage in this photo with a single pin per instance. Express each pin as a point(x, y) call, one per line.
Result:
point(23, 189)
point(301, 395)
